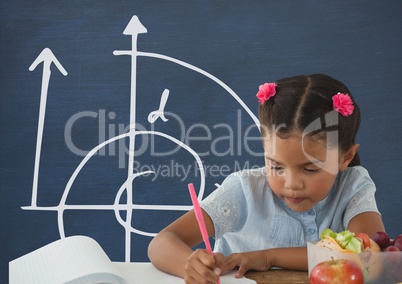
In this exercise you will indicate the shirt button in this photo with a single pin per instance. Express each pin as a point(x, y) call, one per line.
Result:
point(311, 231)
point(310, 212)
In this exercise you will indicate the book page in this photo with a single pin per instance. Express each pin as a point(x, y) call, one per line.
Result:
point(76, 259)
point(145, 272)
point(81, 260)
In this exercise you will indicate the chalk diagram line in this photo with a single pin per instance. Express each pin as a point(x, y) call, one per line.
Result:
point(133, 29)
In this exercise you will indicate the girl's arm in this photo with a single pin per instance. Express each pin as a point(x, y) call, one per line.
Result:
point(293, 258)
point(171, 249)
point(367, 222)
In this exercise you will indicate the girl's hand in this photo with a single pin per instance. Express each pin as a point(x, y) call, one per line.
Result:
point(255, 260)
point(202, 267)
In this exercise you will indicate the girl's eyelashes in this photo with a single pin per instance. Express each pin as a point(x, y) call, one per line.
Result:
point(276, 168)
point(281, 168)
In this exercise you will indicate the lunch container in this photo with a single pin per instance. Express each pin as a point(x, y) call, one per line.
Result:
point(378, 267)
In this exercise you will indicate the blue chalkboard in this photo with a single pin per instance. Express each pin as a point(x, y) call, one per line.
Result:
point(93, 91)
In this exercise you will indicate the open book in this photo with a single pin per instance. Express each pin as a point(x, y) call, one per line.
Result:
point(81, 260)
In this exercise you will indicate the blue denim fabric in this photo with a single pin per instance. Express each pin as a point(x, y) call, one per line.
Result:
point(248, 216)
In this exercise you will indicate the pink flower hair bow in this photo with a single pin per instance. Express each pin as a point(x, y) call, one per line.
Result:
point(343, 104)
point(265, 92)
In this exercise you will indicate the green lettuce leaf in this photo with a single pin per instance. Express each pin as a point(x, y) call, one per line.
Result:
point(328, 232)
point(345, 239)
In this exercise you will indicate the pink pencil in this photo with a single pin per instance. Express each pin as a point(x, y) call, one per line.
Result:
point(200, 219)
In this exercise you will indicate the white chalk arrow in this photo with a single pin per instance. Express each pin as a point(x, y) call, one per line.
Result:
point(133, 28)
point(47, 57)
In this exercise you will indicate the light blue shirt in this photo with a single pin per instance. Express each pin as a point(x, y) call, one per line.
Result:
point(248, 216)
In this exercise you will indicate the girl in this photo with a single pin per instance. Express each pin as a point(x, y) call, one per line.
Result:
point(312, 180)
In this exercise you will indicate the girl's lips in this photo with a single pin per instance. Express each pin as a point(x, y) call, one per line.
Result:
point(295, 200)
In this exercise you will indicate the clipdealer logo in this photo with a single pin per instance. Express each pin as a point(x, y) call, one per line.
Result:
point(234, 142)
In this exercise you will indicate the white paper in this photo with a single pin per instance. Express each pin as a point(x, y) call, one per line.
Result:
point(77, 258)
point(145, 272)
point(81, 260)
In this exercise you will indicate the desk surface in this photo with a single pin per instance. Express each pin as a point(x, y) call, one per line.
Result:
point(276, 276)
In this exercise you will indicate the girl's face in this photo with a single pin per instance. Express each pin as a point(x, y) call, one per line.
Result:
point(300, 172)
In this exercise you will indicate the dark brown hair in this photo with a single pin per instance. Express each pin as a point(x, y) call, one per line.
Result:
point(301, 100)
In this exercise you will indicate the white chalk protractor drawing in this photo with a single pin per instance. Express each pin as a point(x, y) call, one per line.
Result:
point(116, 207)
point(133, 28)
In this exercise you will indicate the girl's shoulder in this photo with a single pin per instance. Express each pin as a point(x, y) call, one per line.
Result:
point(355, 179)
point(355, 173)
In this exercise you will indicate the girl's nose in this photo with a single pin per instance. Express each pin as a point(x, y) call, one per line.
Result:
point(293, 181)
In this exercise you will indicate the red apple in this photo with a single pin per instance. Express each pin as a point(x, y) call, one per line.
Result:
point(336, 271)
